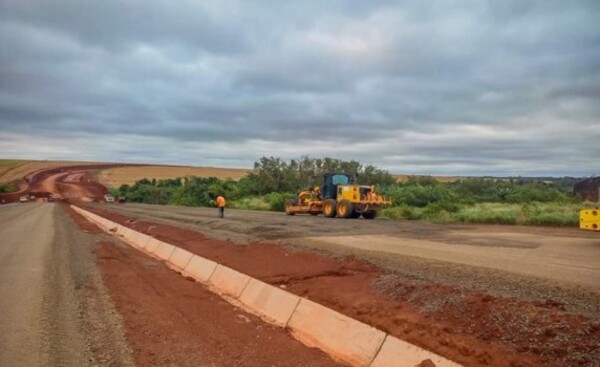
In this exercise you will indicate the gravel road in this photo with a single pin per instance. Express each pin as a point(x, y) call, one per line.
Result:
point(54, 310)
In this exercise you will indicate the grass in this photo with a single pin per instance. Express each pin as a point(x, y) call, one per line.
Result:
point(11, 162)
point(535, 214)
point(8, 188)
point(249, 203)
point(8, 164)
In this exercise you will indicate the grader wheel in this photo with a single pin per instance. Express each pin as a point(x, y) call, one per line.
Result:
point(369, 215)
point(288, 208)
point(345, 209)
point(329, 208)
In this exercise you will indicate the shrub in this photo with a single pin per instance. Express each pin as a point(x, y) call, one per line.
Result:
point(277, 200)
point(489, 213)
point(401, 212)
point(8, 188)
point(249, 203)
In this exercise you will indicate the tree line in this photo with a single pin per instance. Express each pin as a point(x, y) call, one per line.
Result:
point(274, 180)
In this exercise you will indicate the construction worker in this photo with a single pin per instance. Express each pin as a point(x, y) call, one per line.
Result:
point(221, 204)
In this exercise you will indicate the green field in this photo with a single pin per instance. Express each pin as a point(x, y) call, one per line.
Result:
point(10, 163)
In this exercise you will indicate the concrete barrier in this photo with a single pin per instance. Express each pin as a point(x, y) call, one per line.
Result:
point(124, 231)
point(180, 258)
point(152, 245)
point(164, 251)
point(229, 281)
point(338, 335)
point(129, 234)
point(269, 302)
point(100, 222)
point(140, 240)
point(397, 353)
point(200, 268)
point(121, 230)
point(107, 224)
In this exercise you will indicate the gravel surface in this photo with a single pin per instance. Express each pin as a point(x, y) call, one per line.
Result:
point(54, 310)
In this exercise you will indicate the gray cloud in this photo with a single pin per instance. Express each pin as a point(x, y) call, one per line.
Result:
point(453, 87)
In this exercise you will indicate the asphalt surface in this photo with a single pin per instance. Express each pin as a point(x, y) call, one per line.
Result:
point(53, 310)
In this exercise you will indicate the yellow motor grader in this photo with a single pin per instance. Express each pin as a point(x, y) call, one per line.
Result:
point(338, 195)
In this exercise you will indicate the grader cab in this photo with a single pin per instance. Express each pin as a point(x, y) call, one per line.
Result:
point(338, 195)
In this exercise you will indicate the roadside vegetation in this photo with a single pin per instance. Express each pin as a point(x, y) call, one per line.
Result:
point(517, 200)
point(8, 188)
point(6, 165)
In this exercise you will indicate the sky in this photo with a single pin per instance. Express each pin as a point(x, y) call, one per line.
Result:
point(415, 87)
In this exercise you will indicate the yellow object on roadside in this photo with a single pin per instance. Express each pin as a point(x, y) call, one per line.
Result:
point(589, 219)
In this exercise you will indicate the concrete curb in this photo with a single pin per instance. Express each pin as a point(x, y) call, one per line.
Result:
point(270, 303)
point(180, 258)
point(315, 325)
point(200, 268)
point(228, 281)
point(339, 335)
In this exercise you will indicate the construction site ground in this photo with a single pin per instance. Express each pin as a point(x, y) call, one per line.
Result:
point(478, 295)
point(437, 286)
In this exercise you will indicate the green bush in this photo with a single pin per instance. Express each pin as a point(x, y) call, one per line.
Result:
point(564, 219)
point(401, 212)
point(277, 200)
point(249, 203)
point(551, 214)
point(420, 196)
point(489, 213)
point(8, 188)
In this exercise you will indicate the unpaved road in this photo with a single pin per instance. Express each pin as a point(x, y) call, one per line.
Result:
point(53, 308)
point(73, 296)
point(562, 256)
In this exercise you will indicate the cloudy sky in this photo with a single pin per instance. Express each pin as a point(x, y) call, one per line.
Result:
point(446, 87)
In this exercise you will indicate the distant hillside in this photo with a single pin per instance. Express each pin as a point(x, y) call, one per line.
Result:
point(404, 178)
point(115, 177)
point(14, 170)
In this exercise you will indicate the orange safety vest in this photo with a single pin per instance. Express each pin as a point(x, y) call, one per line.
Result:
point(220, 202)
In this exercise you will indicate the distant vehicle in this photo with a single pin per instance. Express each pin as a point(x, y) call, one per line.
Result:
point(339, 195)
point(23, 199)
point(121, 200)
point(32, 197)
point(109, 198)
point(50, 199)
